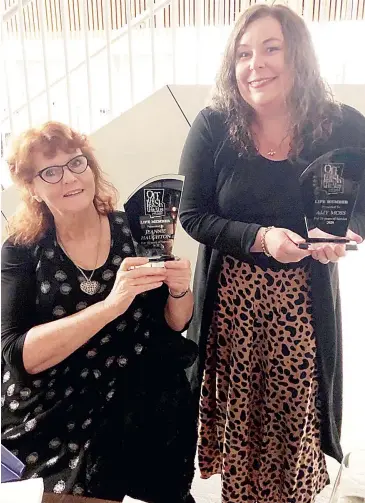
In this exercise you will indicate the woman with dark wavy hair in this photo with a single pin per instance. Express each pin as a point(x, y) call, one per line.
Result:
point(95, 398)
point(267, 317)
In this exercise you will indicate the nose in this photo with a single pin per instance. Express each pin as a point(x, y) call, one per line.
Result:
point(68, 176)
point(257, 61)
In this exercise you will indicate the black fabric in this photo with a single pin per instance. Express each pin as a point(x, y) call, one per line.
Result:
point(227, 197)
point(119, 406)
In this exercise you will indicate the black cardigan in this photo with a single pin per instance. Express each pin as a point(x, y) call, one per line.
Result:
point(226, 198)
point(121, 400)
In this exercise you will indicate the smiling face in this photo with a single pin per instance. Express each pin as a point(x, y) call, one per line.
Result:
point(73, 193)
point(263, 76)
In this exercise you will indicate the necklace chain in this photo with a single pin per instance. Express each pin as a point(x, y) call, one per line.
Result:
point(271, 152)
point(89, 287)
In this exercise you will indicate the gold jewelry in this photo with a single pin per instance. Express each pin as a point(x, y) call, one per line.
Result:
point(271, 152)
point(88, 286)
point(263, 241)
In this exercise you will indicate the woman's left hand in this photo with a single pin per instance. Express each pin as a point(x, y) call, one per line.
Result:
point(328, 252)
point(178, 275)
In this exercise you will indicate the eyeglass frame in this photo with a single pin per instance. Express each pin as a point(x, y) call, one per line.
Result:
point(63, 166)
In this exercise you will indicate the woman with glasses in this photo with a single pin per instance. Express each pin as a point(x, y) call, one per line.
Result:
point(95, 398)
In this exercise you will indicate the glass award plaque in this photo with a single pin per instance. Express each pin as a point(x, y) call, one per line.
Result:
point(152, 211)
point(329, 188)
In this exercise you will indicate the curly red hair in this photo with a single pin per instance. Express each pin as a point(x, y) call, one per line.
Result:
point(32, 218)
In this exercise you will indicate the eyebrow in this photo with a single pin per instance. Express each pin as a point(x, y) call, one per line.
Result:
point(271, 39)
point(61, 165)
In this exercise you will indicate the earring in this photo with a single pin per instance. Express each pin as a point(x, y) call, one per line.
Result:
point(37, 198)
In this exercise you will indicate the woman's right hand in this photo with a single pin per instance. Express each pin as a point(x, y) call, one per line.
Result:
point(282, 245)
point(130, 281)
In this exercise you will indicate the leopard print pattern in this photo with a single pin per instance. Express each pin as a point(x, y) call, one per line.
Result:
point(259, 426)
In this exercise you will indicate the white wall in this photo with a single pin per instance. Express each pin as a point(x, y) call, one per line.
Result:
point(352, 277)
point(147, 141)
point(353, 95)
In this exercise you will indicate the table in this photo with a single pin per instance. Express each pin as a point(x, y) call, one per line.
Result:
point(67, 498)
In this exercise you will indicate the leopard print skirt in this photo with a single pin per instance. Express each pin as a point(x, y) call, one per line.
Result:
point(259, 425)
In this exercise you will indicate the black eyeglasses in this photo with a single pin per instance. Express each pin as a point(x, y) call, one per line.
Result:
point(54, 174)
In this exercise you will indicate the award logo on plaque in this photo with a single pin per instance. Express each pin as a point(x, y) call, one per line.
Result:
point(329, 189)
point(152, 212)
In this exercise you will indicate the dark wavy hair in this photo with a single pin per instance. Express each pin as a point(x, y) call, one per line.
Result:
point(313, 110)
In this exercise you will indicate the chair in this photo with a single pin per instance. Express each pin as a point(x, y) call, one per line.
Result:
point(350, 482)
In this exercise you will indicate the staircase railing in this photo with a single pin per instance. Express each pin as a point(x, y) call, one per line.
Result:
point(86, 61)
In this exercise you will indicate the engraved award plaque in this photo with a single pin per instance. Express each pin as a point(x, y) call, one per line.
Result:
point(329, 187)
point(152, 212)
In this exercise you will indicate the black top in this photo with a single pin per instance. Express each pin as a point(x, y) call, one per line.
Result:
point(126, 382)
point(226, 198)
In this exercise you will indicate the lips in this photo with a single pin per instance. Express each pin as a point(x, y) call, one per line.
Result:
point(258, 83)
point(73, 192)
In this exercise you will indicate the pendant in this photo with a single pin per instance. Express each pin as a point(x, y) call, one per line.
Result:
point(271, 152)
point(90, 287)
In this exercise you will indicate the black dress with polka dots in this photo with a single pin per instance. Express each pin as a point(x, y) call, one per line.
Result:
point(104, 421)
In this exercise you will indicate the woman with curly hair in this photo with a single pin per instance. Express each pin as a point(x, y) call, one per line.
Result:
point(267, 317)
point(95, 398)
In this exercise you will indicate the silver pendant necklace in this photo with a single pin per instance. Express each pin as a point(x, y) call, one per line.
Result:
point(88, 286)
